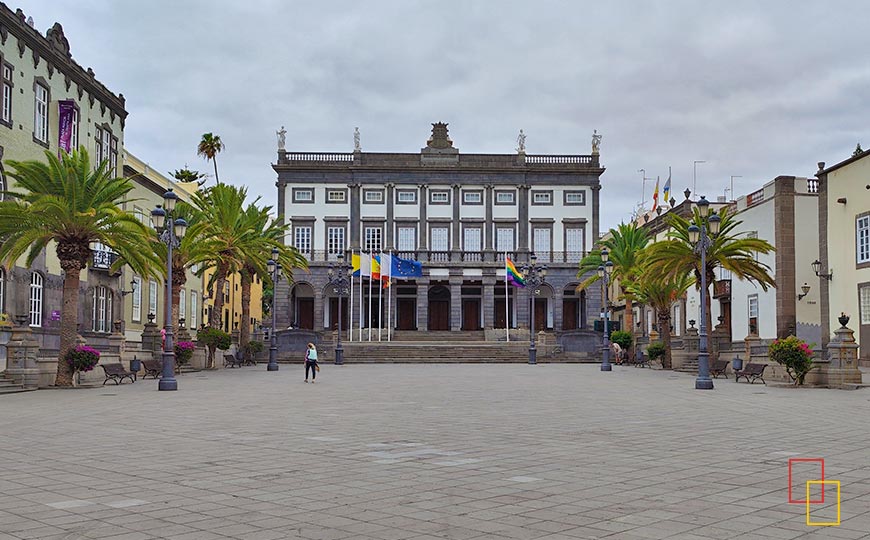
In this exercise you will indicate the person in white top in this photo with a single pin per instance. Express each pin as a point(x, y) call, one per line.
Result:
point(311, 362)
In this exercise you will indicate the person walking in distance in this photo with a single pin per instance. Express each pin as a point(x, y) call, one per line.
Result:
point(311, 362)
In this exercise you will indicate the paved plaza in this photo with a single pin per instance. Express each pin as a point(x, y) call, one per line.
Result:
point(429, 451)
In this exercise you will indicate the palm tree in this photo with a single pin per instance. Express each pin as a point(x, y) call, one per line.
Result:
point(660, 291)
point(624, 245)
point(728, 250)
point(188, 175)
point(270, 235)
point(65, 201)
point(181, 255)
point(209, 147)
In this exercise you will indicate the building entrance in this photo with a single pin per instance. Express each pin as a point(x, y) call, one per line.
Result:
point(406, 314)
point(471, 314)
point(439, 308)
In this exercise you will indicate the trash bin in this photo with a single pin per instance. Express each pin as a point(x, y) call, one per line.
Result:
point(737, 363)
point(135, 365)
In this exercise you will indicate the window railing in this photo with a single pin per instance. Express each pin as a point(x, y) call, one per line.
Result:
point(102, 259)
point(722, 288)
point(812, 185)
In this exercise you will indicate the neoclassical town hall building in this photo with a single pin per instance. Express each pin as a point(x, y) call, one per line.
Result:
point(456, 213)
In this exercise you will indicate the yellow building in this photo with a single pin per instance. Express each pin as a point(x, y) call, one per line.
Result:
point(232, 315)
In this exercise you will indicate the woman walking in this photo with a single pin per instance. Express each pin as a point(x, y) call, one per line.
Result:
point(311, 362)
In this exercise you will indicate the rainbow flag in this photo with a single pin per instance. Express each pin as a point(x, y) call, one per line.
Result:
point(512, 275)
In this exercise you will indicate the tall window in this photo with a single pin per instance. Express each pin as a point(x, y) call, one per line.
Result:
point(372, 241)
point(407, 239)
point(862, 238)
point(36, 281)
point(113, 156)
point(334, 242)
point(101, 316)
point(574, 244)
point(6, 79)
point(74, 130)
point(152, 297)
point(440, 239)
point(471, 239)
point(864, 303)
point(2, 289)
point(98, 146)
point(541, 243)
point(675, 319)
point(137, 298)
point(194, 306)
point(182, 304)
point(302, 240)
point(2, 185)
point(40, 113)
point(753, 315)
point(504, 239)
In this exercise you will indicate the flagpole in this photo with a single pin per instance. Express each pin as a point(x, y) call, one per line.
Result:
point(369, 318)
point(380, 306)
point(360, 295)
point(390, 300)
point(507, 317)
point(350, 301)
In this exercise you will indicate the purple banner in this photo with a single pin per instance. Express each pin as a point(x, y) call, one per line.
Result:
point(66, 110)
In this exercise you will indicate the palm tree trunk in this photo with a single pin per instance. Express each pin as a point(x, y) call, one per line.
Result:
point(245, 326)
point(217, 180)
point(179, 278)
point(629, 323)
point(664, 317)
point(216, 315)
point(69, 320)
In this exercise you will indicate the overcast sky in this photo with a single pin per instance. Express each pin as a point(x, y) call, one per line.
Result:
point(756, 89)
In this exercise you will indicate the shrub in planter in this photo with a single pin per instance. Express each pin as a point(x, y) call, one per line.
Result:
point(621, 338)
point(795, 355)
point(82, 358)
point(253, 348)
point(655, 350)
point(213, 338)
point(184, 352)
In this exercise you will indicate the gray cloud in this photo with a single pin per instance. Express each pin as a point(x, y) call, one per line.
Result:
point(754, 89)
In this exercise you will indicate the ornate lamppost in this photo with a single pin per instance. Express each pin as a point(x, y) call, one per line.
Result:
point(274, 268)
point(701, 237)
point(533, 275)
point(171, 232)
point(604, 272)
point(339, 280)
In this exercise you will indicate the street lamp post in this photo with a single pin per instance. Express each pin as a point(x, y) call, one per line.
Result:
point(698, 235)
point(604, 272)
point(171, 232)
point(274, 268)
point(533, 275)
point(339, 280)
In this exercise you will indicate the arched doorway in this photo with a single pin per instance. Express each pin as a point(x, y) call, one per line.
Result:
point(302, 306)
point(543, 306)
point(439, 308)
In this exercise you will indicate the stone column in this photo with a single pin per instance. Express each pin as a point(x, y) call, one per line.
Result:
point(354, 216)
point(488, 301)
point(523, 302)
point(21, 355)
point(557, 308)
point(319, 307)
point(455, 303)
point(423, 305)
point(843, 356)
point(824, 284)
point(151, 338)
point(455, 245)
point(523, 223)
point(282, 203)
point(390, 217)
point(488, 232)
point(596, 213)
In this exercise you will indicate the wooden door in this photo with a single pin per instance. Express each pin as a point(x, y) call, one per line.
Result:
point(500, 315)
point(407, 313)
point(306, 313)
point(540, 314)
point(439, 315)
point(569, 314)
point(333, 310)
point(471, 314)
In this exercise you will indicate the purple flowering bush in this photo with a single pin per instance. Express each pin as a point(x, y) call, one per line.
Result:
point(184, 352)
point(82, 358)
point(795, 355)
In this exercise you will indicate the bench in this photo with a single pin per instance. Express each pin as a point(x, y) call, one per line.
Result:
point(117, 373)
point(230, 360)
point(752, 372)
point(152, 367)
point(718, 368)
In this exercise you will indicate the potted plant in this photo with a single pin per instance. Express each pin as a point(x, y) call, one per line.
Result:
point(213, 338)
point(252, 349)
point(82, 359)
point(843, 319)
point(795, 355)
point(184, 352)
point(655, 350)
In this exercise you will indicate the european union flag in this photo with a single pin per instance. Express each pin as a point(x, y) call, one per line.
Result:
point(404, 268)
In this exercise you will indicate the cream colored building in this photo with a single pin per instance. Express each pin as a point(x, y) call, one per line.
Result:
point(143, 295)
point(38, 76)
point(232, 315)
point(844, 247)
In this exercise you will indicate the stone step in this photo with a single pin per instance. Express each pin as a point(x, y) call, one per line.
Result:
point(8, 386)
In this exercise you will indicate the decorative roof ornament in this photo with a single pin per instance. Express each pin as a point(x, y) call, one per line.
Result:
point(57, 40)
point(282, 138)
point(521, 143)
point(596, 141)
point(439, 139)
point(356, 146)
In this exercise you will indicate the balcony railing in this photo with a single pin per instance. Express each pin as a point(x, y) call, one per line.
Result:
point(722, 288)
point(444, 257)
point(558, 160)
point(316, 156)
point(102, 259)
